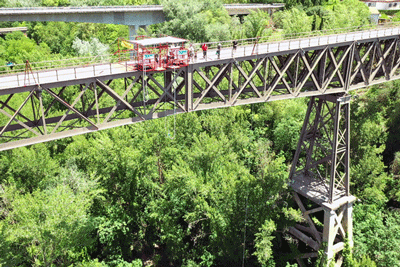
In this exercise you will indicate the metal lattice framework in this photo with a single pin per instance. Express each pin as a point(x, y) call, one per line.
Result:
point(321, 173)
point(324, 141)
point(34, 113)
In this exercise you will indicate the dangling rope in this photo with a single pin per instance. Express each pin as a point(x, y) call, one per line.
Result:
point(165, 103)
point(165, 110)
point(174, 89)
point(245, 228)
point(144, 83)
point(175, 104)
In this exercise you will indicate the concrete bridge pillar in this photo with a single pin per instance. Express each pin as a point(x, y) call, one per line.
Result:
point(133, 30)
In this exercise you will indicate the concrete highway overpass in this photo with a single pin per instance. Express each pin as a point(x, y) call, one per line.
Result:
point(132, 16)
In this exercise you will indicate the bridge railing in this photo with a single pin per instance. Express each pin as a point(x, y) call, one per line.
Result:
point(35, 77)
point(63, 63)
point(252, 43)
point(280, 35)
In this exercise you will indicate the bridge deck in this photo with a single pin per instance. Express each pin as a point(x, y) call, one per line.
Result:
point(21, 80)
point(231, 8)
point(122, 15)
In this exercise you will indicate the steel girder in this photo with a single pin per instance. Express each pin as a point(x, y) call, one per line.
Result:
point(44, 112)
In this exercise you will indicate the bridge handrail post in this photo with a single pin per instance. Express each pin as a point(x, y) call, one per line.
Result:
point(18, 79)
point(75, 71)
point(57, 75)
point(110, 68)
point(94, 70)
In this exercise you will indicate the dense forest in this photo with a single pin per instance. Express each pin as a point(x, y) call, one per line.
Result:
point(206, 188)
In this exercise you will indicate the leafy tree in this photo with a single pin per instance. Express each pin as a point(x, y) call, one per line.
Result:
point(365, 261)
point(368, 176)
point(92, 48)
point(392, 103)
point(235, 27)
point(396, 17)
point(307, 3)
point(376, 234)
point(55, 3)
point(330, 14)
point(257, 24)
point(59, 36)
point(197, 204)
point(288, 20)
point(319, 14)
point(23, 3)
point(55, 34)
point(369, 135)
point(45, 227)
point(130, 182)
point(287, 122)
point(193, 19)
point(27, 169)
point(218, 32)
point(18, 49)
point(394, 183)
point(342, 11)
point(263, 242)
point(91, 263)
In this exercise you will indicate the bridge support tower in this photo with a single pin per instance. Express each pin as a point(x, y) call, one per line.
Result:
point(320, 178)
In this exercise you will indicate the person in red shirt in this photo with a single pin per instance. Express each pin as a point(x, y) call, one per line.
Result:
point(204, 47)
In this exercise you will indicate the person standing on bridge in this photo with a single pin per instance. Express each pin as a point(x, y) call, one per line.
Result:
point(219, 50)
point(191, 52)
point(205, 48)
point(234, 45)
point(10, 64)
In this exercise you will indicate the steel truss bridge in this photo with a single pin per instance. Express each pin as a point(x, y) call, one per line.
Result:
point(47, 105)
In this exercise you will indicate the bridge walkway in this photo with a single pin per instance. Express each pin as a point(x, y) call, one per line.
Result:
point(19, 81)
